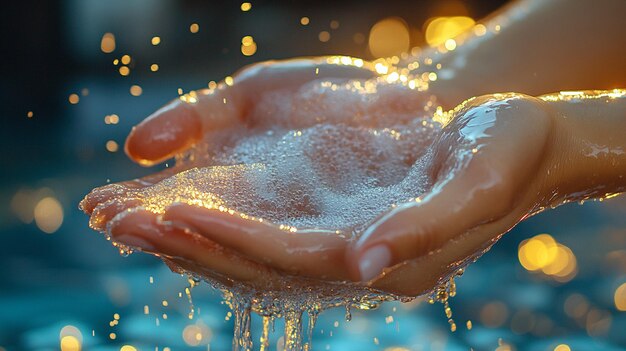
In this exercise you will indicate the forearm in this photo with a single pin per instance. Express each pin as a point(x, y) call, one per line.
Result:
point(586, 157)
point(536, 47)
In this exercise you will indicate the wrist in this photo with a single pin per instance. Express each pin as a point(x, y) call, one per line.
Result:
point(586, 155)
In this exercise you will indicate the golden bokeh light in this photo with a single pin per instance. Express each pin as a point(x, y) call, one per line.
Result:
point(562, 347)
point(248, 50)
point(128, 348)
point(246, 6)
point(124, 71)
point(125, 59)
point(440, 29)
point(70, 338)
point(563, 266)
point(48, 215)
point(154, 67)
point(304, 21)
point(389, 37)
point(107, 44)
point(537, 252)
point(197, 334)
point(381, 68)
point(29, 114)
point(450, 44)
point(194, 28)
point(324, 36)
point(248, 46)
point(70, 343)
point(155, 41)
point(334, 24)
point(480, 30)
point(542, 253)
point(73, 99)
point(135, 90)
point(620, 297)
point(112, 146)
point(247, 40)
point(111, 119)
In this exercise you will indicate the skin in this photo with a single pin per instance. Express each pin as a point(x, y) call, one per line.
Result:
point(500, 159)
point(542, 47)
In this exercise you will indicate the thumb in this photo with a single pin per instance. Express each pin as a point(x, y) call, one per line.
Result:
point(477, 195)
point(495, 146)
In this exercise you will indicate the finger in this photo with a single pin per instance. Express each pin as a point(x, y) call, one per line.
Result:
point(180, 124)
point(171, 129)
point(100, 195)
point(121, 190)
point(418, 276)
point(140, 229)
point(105, 211)
point(312, 253)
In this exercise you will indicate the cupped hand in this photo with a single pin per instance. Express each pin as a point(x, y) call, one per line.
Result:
point(290, 94)
point(273, 97)
point(485, 176)
point(488, 172)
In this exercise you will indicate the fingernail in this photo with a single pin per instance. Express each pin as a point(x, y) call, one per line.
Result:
point(134, 241)
point(373, 261)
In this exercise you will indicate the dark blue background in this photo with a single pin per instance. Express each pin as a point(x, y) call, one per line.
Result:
point(74, 277)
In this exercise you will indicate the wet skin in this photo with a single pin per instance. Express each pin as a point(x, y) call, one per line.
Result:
point(144, 230)
point(490, 170)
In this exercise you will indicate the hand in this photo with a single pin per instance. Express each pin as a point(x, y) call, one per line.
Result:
point(263, 96)
point(488, 173)
point(266, 96)
point(474, 199)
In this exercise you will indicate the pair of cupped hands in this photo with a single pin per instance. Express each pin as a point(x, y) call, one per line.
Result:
point(486, 174)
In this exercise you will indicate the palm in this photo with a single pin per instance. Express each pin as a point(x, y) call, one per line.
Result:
point(330, 179)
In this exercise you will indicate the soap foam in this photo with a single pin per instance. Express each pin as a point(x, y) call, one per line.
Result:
point(334, 177)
